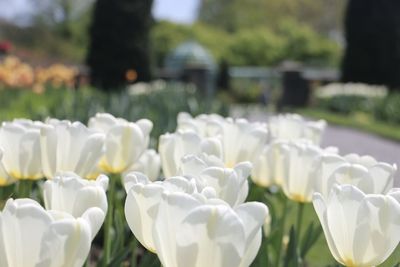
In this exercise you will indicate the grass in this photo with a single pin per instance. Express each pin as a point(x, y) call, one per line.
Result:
point(359, 121)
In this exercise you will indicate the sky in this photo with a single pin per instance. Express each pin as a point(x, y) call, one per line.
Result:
point(180, 11)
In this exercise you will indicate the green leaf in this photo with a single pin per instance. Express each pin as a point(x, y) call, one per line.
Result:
point(291, 257)
point(311, 237)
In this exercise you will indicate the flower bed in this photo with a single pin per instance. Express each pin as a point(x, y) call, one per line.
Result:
point(214, 191)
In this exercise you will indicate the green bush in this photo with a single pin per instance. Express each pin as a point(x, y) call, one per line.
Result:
point(260, 46)
point(257, 47)
point(388, 109)
point(346, 104)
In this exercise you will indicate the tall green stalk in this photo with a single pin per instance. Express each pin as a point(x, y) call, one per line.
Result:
point(282, 231)
point(108, 227)
point(299, 221)
point(134, 245)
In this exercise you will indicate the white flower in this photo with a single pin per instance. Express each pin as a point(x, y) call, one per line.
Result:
point(149, 164)
point(5, 178)
point(292, 127)
point(32, 236)
point(241, 140)
point(70, 193)
point(361, 230)
point(299, 182)
point(143, 198)
point(202, 124)
point(362, 171)
point(20, 141)
point(270, 166)
point(70, 147)
point(173, 147)
point(125, 141)
point(230, 185)
point(193, 232)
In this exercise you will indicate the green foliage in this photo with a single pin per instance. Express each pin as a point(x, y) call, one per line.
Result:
point(385, 109)
point(305, 45)
point(161, 107)
point(258, 46)
point(388, 109)
point(346, 104)
point(234, 15)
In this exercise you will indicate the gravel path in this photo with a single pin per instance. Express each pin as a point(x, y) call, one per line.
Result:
point(354, 141)
point(347, 140)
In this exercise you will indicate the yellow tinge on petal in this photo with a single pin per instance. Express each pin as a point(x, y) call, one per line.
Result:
point(349, 263)
point(299, 198)
point(19, 176)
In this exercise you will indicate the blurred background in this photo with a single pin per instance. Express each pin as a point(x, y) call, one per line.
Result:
point(332, 59)
point(338, 60)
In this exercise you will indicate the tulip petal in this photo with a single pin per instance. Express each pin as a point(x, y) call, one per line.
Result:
point(210, 236)
point(173, 209)
point(23, 223)
point(141, 209)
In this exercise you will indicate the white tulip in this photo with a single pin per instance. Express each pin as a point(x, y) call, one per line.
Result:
point(362, 171)
point(149, 164)
point(270, 168)
point(70, 147)
point(299, 182)
point(202, 124)
point(125, 141)
point(5, 178)
point(193, 232)
point(173, 147)
point(20, 141)
point(230, 185)
point(361, 230)
point(143, 198)
point(293, 127)
point(70, 193)
point(32, 236)
point(241, 140)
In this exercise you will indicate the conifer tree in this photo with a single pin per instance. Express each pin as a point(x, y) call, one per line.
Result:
point(119, 43)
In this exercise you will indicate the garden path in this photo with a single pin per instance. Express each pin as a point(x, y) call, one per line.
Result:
point(346, 139)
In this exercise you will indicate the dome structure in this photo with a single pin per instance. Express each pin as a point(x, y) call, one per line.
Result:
point(190, 55)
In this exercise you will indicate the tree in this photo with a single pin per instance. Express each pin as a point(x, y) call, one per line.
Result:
point(119, 43)
point(233, 15)
point(373, 42)
point(60, 14)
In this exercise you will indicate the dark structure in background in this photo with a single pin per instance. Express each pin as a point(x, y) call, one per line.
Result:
point(191, 63)
point(119, 43)
point(373, 42)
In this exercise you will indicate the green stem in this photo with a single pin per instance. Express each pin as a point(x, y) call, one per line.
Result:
point(134, 244)
point(282, 231)
point(24, 188)
point(299, 221)
point(109, 219)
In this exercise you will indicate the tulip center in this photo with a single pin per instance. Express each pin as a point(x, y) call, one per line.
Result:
point(298, 198)
point(349, 263)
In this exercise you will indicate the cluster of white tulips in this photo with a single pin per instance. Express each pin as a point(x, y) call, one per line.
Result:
point(195, 213)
